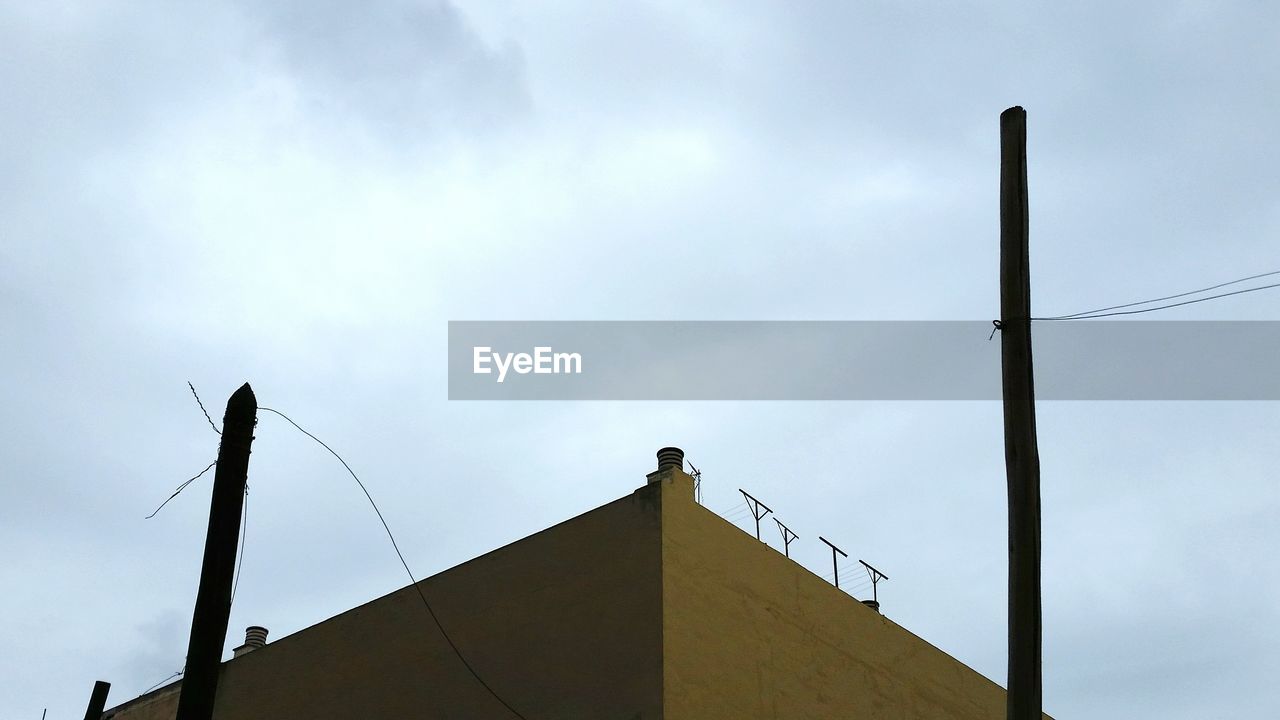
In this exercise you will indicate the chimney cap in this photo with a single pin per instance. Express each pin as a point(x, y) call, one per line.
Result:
point(255, 635)
point(670, 457)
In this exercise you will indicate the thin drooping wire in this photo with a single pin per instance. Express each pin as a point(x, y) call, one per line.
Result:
point(244, 533)
point(206, 412)
point(400, 555)
point(153, 687)
point(1161, 307)
point(846, 573)
point(181, 487)
point(1167, 297)
point(851, 585)
point(1102, 312)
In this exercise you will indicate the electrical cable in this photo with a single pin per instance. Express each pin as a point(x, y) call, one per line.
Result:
point(153, 687)
point(396, 547)
point(181, 487)
point(244, 533)
point(1099, 313)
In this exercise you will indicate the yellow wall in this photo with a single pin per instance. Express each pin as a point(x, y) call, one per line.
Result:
point(160, 704)
point(563, 624)
point(749, 634)
point(648, 608)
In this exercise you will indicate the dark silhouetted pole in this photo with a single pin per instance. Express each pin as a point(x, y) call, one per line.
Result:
point(1021, 458)
point(97, 701)
point(213, 600)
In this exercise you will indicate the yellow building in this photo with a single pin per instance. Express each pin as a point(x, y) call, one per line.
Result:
point(650, 607)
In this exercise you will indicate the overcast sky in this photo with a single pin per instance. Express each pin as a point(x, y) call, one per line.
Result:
point(302, 194)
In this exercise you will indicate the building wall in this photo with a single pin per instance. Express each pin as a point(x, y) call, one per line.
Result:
point(159, 704)
point(749, 634)
point(647, 608)
point(563, 624)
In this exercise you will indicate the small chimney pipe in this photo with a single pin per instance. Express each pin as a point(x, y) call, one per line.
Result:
point(255, 636)
point(670, 457)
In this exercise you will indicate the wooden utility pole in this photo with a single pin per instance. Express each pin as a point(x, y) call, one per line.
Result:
point(1021, 458)
point(97, 701)
point(213, 600)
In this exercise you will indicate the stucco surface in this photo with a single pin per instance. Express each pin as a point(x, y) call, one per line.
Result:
point(648, 608)
point(563, 624)
point(749, 634)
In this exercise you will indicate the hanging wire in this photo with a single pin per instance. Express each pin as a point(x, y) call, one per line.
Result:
point(244, 533)
point(181, 487)
point(153, 687)
point(1105, 312)
point(396, 547)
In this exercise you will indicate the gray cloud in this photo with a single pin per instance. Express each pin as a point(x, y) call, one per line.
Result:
point(408, 70)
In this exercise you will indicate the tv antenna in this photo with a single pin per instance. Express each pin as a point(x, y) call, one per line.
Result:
point(834, 564)
point(787, 537)
point(696, 474)
point(876, 577)
point(755, 506)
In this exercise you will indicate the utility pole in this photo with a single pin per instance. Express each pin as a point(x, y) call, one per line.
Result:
point(213, 599)
point(97, 701)
point(1021, 458)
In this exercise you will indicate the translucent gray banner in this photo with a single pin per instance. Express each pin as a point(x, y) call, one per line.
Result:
point(856, 360)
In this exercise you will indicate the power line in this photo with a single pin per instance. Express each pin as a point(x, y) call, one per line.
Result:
point(244, 532)
point(1161, 307)
point(1169, 297)
point(400, 555)
point(181, 487)
point(153, 687)
point(1102, 312)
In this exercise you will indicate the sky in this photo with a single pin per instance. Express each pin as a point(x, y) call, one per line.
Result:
point(302, 195)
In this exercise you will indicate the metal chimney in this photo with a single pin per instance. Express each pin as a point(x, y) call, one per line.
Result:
point(255, 636)
point(670, 457)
